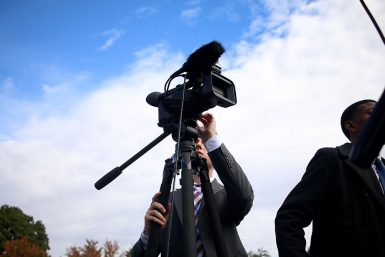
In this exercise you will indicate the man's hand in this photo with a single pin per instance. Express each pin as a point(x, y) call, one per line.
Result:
point(156, 213)
point(208, 127)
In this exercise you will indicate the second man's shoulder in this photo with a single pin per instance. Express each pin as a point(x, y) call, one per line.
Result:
point(343, 150)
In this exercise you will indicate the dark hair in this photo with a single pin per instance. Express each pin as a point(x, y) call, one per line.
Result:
point(349, 113)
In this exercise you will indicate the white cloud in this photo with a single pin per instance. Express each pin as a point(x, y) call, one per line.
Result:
point(7, 86)
point(50, 89)
point(113, 36)
point(61, 84)
point(145, 11)
point(191, 15)
point(291, 91)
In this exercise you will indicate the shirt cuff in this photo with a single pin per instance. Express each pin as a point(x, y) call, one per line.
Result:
point(144, 240)
point(213, 143)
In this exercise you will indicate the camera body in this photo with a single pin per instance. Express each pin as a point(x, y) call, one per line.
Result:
point(203, 91)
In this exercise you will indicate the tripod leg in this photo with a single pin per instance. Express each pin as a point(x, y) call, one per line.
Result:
point(188, 204)
point(156, 229)
point(212, 210)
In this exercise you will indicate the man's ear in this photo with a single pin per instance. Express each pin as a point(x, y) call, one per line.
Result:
point(350, 127)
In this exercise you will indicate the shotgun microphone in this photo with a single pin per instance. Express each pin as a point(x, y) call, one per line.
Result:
point(202, 59)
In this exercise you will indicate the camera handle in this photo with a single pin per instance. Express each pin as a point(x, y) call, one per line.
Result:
point(114, 173)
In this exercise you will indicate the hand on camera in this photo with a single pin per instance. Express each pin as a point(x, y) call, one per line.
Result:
point(207, 128)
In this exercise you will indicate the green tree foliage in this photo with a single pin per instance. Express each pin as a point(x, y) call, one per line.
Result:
point(15, 225)
point(260, 253)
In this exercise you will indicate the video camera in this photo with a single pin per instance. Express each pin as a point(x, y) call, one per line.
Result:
point(204, 88)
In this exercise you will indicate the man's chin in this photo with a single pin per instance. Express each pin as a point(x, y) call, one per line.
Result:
point(200, 154)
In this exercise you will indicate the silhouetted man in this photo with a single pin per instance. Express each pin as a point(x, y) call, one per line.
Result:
point(345, 202)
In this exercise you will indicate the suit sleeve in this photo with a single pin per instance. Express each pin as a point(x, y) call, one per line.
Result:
point(298, 209)
point(138, 249)
point(240, 194)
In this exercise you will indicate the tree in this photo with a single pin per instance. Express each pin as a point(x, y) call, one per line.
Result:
point(22, 248)
point(110, 248)
point(73, 251)
point(260, 253)
point(15, 225)
point(91, 249)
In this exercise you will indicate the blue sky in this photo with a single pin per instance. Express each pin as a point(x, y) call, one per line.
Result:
point(44, 43)
point(101, 38)
point(74, 76)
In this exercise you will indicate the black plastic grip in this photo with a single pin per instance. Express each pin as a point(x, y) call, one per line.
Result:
point(106, 179)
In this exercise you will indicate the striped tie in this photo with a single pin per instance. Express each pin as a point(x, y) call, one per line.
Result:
point(197, 204)
point(380, 171)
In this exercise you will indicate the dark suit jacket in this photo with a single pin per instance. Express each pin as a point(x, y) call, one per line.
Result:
point(234, 201)
point(345, 203)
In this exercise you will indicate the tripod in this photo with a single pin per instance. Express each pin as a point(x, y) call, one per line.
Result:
point(190, 164)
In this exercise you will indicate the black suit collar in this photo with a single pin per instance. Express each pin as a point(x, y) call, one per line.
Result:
point(345, 149)
point(366, 174)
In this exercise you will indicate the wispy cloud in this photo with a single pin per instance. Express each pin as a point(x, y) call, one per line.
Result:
point(50, 89)
point(270, 16)
point(64, 83)
point(191, 15)
point(145, 11)
point(112, 36)
point(7, 85)
point(227, 12)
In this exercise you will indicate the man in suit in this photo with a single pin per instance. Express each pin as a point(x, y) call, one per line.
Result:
point(345, 202)
point(233, 201)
